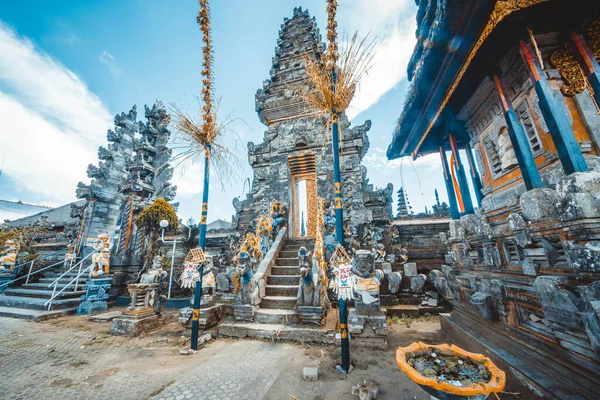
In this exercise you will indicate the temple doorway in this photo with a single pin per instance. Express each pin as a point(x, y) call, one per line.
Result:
point(304, 195)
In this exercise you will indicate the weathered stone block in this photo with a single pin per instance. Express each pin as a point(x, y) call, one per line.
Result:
point(410, 269)
point(417, 283)
point(483, 304)
point(583, 257)
point(580, 182)
point(529, 267)
point(538, 204)
point(580, 205)
point(310, 373)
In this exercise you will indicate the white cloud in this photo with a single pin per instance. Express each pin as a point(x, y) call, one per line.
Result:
point(52, 124)
point(109, 60)
point(377, 160)
point(393, 24)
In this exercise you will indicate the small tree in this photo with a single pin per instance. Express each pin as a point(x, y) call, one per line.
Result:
point(148, 221)
point(190, 242)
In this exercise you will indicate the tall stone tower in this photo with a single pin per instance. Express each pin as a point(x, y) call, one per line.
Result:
point(104, 199)
point(132, 173)
point(297, 144)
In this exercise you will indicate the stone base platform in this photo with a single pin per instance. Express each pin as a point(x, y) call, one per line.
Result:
point(297, 333)
point(533, 369)
point(368, 330)
point(135, 325)
point(209, 316)
point(411, 311)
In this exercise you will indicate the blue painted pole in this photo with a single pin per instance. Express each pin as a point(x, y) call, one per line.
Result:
point(519, 141)
point(202, 245)
point(454, 213)
point(477, 185)
point(554, 114)
point(339, 235)
point(462, 178)
point(588, 62)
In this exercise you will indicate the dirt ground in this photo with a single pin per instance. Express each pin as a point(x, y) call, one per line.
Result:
point(74, 358)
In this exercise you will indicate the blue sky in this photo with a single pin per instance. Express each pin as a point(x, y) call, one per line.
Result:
point(67, 67)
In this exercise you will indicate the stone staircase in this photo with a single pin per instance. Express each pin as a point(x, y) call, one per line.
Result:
point(27, 301)
point(279, 304)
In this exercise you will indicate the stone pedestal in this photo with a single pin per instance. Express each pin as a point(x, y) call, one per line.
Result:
point(209, 316)
point(96, 294)
point(135, 323)
point(244, 312)
point(368, 330)
point(141, 315)
point(310, 314)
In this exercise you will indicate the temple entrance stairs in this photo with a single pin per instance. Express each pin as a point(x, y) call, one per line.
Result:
point(279, 304)
point(30, 300)
point(276, 318)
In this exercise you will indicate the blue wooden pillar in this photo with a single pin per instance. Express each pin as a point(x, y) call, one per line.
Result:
point(519, 141)
point(477, 184)
point(201, 244)
point(588, 62)
point(554, 114)
point(449, 186)
point(462, 178)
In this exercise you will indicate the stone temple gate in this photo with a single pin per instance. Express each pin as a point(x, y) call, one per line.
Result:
point(297, 144)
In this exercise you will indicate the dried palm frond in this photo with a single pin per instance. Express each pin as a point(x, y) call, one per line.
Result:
point(192, 140)
point(332, 48)
point(332, 89)
point(203, 136)
point(208, 116)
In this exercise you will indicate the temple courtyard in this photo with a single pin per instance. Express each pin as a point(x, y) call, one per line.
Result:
point(73, 358)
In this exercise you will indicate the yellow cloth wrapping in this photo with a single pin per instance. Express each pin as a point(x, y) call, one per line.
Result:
point(208, 280)
point(367, 284)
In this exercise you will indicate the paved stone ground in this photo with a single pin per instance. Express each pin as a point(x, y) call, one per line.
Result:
point(246, 371)
point(72, 358)
point(51, 362)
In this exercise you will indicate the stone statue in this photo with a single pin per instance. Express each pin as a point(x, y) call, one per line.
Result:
point(508, 158)
point(248, 290)
point(8, 255)
point(278, 216)
point(308, 288)
point(366, 279)
point(101, 257)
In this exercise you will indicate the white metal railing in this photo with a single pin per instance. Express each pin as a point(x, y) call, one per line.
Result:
point(75, 279)
point(17, 268)
point(55, 282)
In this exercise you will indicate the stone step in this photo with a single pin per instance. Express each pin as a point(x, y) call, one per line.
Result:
point(35, 315)
point(287, 262)
point(281, 290)
point(33, 303)
point(275, 316)
point(295, 248)
point(279, 302)
point(297, 333)
point(288, 254)
point(44, 286)
point(42, 294)
point(283, 280)
point(285, 270)
point(299, 242)
point(48, 281)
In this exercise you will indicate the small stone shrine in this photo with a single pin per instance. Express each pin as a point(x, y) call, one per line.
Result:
point(147, 301)
point(96, 294)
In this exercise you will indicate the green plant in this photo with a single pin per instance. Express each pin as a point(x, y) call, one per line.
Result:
point(149, 219)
